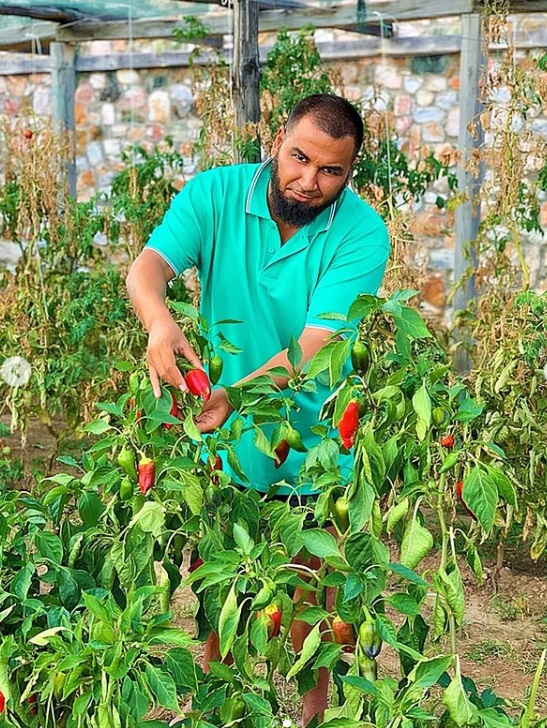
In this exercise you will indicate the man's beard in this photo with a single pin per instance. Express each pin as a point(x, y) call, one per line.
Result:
point(293, 212)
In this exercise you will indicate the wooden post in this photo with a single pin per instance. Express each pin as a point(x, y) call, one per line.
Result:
point(63, 71)
point(468, 213)
point(246, 70)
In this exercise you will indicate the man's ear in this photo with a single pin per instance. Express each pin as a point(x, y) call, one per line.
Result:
point(278, 140)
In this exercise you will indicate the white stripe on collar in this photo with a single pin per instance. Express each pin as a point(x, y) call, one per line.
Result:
point(253, 184)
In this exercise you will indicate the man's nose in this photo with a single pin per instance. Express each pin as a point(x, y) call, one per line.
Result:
point(308, 179)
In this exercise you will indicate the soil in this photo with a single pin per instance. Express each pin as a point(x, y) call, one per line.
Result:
point(505, 624)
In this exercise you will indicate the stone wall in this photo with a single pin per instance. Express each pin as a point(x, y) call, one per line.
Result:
point(115, 109)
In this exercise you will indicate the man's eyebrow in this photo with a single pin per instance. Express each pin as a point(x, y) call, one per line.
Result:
point(337, 167)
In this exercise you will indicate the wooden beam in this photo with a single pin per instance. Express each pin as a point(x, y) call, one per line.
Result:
point(246, 71)
point(63, 87)
point(336, 16)
point(468, 213)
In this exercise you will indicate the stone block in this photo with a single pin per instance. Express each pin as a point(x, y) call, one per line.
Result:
point(10, 106)
point(112, 147)
point(452, 126)
point(41, 102)
point(388, 76)
point(108, 114)
point(403, 105)
point(436, 83)
point(17, 84)
point(446, 100)
point(84, 93)
point(97, 80)
point(424, 98)
point(441, 259)
point(412, 84)
point(85, 180)
point(156, 132)
point(128, 77)
point(433, 290)
point(100, 48)
point(159, 107)
point(428, 115)
point(454, 83)
point(182, 99)
point(95, 153)
point(433, 132)
point(80, 113)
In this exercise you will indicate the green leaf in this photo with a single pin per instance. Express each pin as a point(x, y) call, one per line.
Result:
point(417, 543)
point(294, 353)
point(98, 609)
point(228, 622)
point(90, 508)
point(320, 543)
point(191, 429)
point(407, 574)
point(503, 484)
point(404, 603)
point(162, 686)
point(49, 546)
point(22, 581)
point(468, 410)
point(396, 513)
point(410, 322)
point(427, 672)
point(461, 710)
point(480, 493)
point(421, 402)
point(150, 518)
point(363, 306)
point(309, 648)
point(97, 427)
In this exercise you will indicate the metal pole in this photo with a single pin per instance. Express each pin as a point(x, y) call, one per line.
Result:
point(246, 70)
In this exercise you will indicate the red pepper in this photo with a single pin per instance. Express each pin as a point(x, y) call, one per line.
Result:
point(216, 465)
point(27, 133)
point(273, 616)
point(447, 441)
point(2, 702)
point(198, 383)
point(343, 633)
point(173, 411)
point(347, 427)
point(32, 699)
point(282, 453)
point(459, 493)
point(147, 473)
point(195, 564)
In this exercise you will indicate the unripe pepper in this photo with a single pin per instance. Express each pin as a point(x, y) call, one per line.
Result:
point(368, 668)
point(459, 493)
point(216, 366)
point(343, 633)
point(263, 597)
point(126, 461)
point(147, 474)
point(281, 453)
point(198, 383)
point(341, 513)
point(447, 441)
point(347, 427)
point(360, 357)
point(294, 439)
point(126, 489)
point(173, 411)
point(369, 639)
point(273, 614)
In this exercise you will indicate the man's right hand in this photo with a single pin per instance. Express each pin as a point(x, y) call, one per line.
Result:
point(146, 285)
point(165, 341)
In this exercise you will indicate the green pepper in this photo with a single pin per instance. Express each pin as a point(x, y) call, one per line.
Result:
point(126, 461)
point(368, 668)
point(215, 368)
point(360, 357)
point(448, 463)
point(263, 598)
point(294, 439)
point(134, 382)
point(126, 489)
point(341, 513)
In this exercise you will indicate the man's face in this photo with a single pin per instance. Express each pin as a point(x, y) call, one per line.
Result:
point(309, 172)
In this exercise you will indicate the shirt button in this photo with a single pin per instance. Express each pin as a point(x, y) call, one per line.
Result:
point(270, 250)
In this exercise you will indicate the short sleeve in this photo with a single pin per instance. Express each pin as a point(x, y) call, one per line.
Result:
point(180, 235)
point(357, 267)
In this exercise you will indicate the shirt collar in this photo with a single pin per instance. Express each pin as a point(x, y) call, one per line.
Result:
point(257, 201)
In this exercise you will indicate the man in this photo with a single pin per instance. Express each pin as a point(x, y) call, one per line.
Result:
point(276, 245)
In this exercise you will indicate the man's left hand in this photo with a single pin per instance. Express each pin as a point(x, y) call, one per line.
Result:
point(215, 411)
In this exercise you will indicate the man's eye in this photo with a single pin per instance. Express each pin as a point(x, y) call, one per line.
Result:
point(300, 157)
point(328, 170)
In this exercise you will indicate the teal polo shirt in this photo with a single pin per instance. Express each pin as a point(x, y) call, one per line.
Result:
point(220, 222)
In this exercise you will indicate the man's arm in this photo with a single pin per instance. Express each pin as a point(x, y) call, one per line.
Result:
point(146, 286)
point(217, 410)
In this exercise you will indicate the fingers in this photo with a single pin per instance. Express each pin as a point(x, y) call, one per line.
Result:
point(154, 381)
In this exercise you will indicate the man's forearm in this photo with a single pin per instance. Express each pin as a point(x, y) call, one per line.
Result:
point(146, 286)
